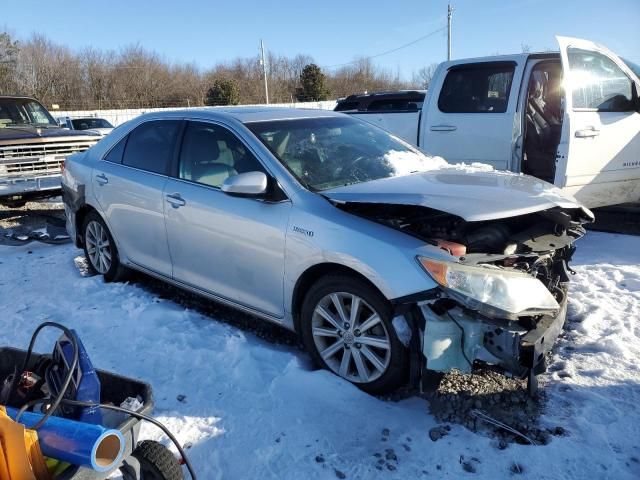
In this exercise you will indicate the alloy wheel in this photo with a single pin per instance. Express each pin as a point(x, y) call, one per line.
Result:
point(98, 247)
point(351, 337)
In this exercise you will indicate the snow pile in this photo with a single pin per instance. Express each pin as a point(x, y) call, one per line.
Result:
point(253, 409)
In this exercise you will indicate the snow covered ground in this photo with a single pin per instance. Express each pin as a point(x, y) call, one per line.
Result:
point(256, 409)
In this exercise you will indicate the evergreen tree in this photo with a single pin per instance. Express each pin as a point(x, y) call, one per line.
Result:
point(223, 92)
point(312, 82)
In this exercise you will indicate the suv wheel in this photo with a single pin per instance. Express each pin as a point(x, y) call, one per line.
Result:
point(100, 249)
point(346, 327)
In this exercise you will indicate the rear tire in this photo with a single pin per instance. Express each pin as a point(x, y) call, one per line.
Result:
point(100, 249)
point(361, 347)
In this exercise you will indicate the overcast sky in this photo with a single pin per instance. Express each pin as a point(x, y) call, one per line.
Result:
point(333, 32)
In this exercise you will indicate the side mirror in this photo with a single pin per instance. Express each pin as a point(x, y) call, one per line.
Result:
point(248, 184)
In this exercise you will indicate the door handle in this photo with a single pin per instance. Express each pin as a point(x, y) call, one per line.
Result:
point(443, 128)
point(587, 132)
point(176, 200)
point(102, 179)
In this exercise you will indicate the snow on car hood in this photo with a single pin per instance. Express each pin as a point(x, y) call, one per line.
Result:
point(471, 193)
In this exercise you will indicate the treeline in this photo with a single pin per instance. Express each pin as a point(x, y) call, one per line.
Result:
point(134, 77)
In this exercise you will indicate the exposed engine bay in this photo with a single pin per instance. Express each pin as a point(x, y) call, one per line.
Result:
point(533, 243)
point(460, 332)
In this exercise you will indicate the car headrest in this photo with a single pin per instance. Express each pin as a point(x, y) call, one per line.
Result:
point(201, 144)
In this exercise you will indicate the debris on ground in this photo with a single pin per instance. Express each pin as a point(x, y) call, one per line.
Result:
point(489, 401)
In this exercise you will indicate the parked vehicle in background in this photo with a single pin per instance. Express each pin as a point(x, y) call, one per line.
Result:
point(95, 125)
point(511, 112)
point(383, 259)
point(33, 148)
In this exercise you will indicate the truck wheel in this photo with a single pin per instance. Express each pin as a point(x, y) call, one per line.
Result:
point(100, 249)
point(346, 326)
point(157, 462)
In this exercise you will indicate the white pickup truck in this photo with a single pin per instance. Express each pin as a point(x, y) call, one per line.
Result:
point(570, 118)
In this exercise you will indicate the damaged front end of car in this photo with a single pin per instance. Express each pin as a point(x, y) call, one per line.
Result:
point(501, 298)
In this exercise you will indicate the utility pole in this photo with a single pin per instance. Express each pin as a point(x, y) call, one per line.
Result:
point(264, 72)
point(449, 15)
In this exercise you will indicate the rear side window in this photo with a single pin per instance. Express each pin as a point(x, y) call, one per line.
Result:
point(150, 146)
point(115, 154)
point(479, 88)
point(345, 106)
point(393, 105)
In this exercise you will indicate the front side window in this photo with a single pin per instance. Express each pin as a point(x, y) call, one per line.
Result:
point(329, 152)
point(479, 88)
point(598, 83)
point(210, 154)
point(150, 146)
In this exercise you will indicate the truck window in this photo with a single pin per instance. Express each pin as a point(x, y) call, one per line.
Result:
point(477, 88)
point(598, 83)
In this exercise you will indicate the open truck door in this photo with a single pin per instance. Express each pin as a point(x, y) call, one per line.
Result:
point(598, 158)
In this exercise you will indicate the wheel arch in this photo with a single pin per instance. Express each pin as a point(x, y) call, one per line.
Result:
point(314, 273)
point(80, 216)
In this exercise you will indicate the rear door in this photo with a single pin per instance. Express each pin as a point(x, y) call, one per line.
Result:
point(599, 153)
point(471, 109)
point(128, 184)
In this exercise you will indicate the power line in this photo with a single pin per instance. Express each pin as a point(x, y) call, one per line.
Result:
point(387, 52)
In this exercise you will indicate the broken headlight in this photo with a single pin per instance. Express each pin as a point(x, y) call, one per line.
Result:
point(508, 293)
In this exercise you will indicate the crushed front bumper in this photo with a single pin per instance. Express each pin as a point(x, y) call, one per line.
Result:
point(453, 337)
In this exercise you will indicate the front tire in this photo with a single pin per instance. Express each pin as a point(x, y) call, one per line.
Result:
point(100, 249)
point(346, 326)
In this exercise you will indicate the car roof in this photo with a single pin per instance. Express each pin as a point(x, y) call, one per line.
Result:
point(248, 114)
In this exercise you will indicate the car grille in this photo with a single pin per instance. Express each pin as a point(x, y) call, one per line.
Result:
point(38, 159)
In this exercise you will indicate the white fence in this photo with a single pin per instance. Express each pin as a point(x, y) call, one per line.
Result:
point(118, 116)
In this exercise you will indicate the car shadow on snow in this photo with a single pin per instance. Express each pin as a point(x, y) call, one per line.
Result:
point(261, 328)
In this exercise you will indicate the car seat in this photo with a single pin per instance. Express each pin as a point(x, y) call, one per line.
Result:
point(201, 158)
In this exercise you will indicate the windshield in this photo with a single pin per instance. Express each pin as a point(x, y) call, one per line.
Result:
point(89, 123)
point(329, 152)
point(24, 111)
point(635, 68)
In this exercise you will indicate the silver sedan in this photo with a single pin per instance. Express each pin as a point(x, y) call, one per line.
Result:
point(385, 260)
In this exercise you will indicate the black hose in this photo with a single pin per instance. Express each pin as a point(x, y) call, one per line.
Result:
point(67, 381)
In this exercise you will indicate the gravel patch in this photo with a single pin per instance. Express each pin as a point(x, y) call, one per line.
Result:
point(474, 400)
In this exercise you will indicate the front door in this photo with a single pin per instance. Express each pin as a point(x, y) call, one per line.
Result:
point(599, 153)
point(230, 246)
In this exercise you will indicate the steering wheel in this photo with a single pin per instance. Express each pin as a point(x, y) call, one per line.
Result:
point(350, 168)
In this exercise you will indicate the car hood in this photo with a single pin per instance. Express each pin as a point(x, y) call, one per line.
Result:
point(99, 131)
point(28, 132)
point(472, 194)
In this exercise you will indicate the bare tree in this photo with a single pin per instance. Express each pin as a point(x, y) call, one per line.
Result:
point(422, 78)
point(135, 77)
